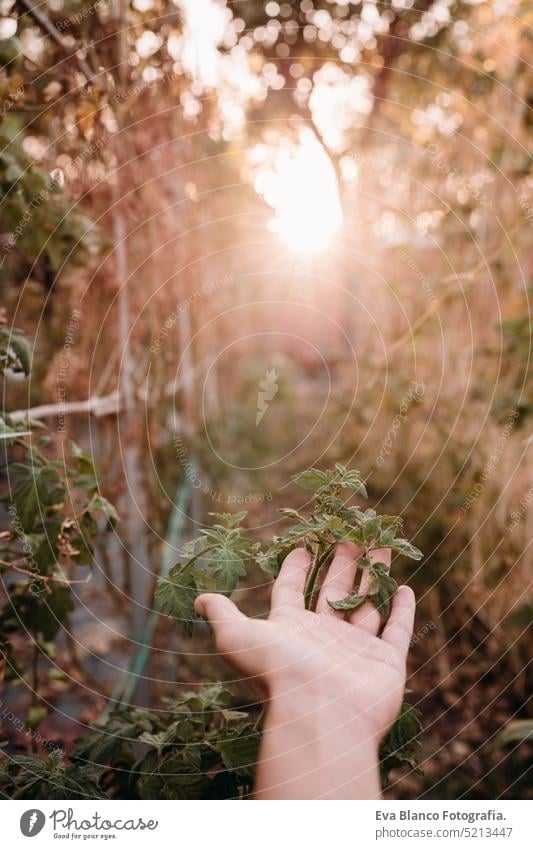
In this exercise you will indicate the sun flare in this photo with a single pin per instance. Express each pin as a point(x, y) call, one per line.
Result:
point(300, 185)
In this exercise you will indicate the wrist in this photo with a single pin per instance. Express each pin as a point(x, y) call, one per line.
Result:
point(316, 747)
point(318, 710)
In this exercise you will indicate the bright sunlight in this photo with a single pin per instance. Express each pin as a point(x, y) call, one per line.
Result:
point(298, 181)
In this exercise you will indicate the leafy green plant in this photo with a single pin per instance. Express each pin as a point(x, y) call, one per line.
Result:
point(55, 512)
point(222, 555)
point(196, 747)
point(400, 745)
point(14, 351)
point(32, 777)
point(40, 222)
point(54, 509)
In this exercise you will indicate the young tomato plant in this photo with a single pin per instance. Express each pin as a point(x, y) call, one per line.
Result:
point(55, 514)
point(198, 747)
point(222, 555)
point(194, 747)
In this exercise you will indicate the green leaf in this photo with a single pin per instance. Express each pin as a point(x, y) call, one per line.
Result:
point(271, 560)
point(521, 617)
point(157, 741)
point(354, 482)
point(9, 431)
point(103, 505)
point(22, 351)
point(83, 461)
point(228, 567)
point(406, 728)
point(382, 589)
point(403, 546)
point(175, 596)
point(215, 694)
point(371, 528)
point(35, 716)
point(350, 602)
point(311, 479)
point(240, 752)
point(399, 746)
point(518, 730)
point(268, 562)
point(45, 614)
point(230, 520)
point(289, 513)
point(37, 488)
point(382, 601)
point(386, 538)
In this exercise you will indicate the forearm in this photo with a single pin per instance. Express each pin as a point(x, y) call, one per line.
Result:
point(312, 749)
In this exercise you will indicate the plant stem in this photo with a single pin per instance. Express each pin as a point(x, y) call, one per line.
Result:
point(320, 559)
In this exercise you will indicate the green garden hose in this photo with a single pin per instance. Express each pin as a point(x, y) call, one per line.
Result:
point(125, 687)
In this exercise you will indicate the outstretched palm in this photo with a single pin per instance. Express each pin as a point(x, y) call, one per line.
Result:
point(320, 659)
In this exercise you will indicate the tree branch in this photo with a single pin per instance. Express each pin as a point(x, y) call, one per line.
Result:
point(105, 406)
point(44, 21)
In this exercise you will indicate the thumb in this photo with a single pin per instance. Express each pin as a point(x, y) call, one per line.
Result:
point(232, 629)
point(218, 610)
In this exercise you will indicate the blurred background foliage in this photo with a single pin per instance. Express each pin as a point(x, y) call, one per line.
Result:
point(167, 175)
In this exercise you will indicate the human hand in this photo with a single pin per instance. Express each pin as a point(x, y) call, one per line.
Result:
point(332, 687)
